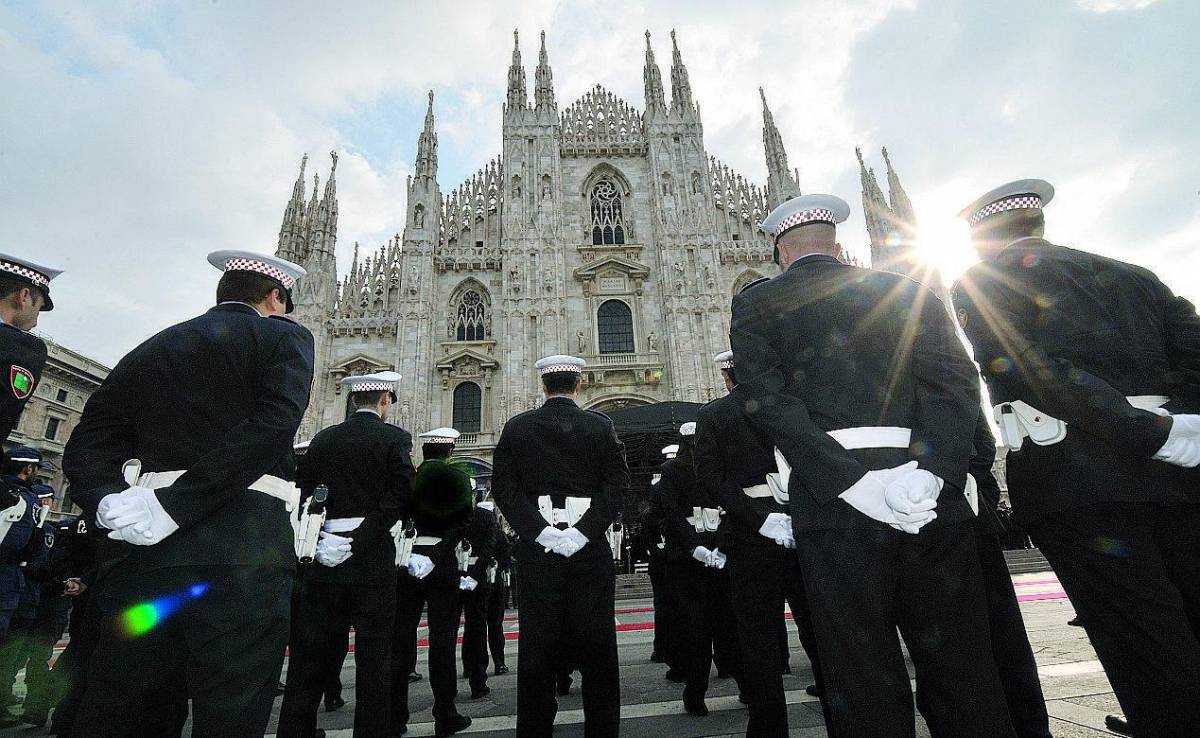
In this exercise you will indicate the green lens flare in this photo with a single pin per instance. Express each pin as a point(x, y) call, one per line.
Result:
point(140, 619)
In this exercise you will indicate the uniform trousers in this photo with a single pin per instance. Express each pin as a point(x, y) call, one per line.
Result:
point(15, 647)
point(12, 583)
point(219, 630)
point(662, 620)
point(862, 585)
point(323, 613)
point(761, 579)
point(707, 628)
point(1010, 644)
point(439, 590)
point(83, 627)
point(44, 687)
point(474, 642)
point(1132, 572)
point(497, 605)
point(567, 607)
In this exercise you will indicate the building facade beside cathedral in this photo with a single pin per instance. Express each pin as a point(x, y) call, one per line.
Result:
point(599, 230)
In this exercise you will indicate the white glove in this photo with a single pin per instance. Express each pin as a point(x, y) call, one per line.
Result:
point(419, 566)
point(1183, 442)
point(701, 554)
point(716, 559)
point(571, 542)
point(913, 494)
point(137, 517)
point(332, 549)
point(867, 495)
point(467, 583)
point(549, 538)
point(778, 527)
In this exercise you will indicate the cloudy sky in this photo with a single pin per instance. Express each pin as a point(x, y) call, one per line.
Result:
point(135, 138)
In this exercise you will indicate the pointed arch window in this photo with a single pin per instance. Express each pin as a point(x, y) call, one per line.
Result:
point(608, 225)
point(468, 406)
point(470, 320)
point(615, 327)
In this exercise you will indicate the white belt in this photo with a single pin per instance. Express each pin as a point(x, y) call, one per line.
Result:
point(342, 525)
point(1019, 420)
point(427, 541)
point(575, 509)
point(267, 484)
point(758, 491)
point(705, 519)
point(12, 514)
point(472, 560)
point(872, 436)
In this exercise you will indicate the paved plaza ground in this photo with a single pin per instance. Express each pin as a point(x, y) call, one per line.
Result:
point(1077, 692)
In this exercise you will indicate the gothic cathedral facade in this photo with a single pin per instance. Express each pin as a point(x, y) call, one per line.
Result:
point(599, 231)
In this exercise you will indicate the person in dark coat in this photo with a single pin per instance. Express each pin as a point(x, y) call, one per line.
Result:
point(1094, 368)
point(184, 454)
point(24, 295)
point(497, 602)
point(481, 534)
point(366, 465)
point(440, 510)
point(859, 380)
point(560, 478)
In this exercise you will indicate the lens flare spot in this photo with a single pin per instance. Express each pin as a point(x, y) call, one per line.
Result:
point(1001, 364)
point(1030, 261)
point(146, 616)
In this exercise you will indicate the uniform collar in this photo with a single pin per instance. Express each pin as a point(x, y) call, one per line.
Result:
point(237, 306)
point(810, 259)
point(366, 412)
point(560, 400)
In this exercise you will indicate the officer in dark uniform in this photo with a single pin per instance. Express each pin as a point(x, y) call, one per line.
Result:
point(82, 626)
point(497, 602)
point(21, 539)
point(859, 380)
point(666, 609)
point(196, 571)
point(734, 459)
point(1010, 641)
point(24, 293)
point(696, 573)
point(481, 534)
point(440, 511)
point(366, 464)
point(560, 478)
point(24, 638)
point(1093, 366)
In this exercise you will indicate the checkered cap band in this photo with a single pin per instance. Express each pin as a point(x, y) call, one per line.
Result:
point(39, 279)
point(438, 439)
point(551, 368)
point(372, 387)
point(805, 216)
point(1008, 203)
point(250, 265)
point(725, 364)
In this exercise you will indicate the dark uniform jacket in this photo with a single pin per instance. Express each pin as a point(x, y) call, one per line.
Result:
point(502, 553)
point(221, 396)
point(679, 491)
point(1072, 334)
point(442, 502)
point(988, 521)
point(731, 455)
point(22, 358)
point(482, 534)
point(23, 541)
point(563, 451)
point(367, 466)
point(826, 346)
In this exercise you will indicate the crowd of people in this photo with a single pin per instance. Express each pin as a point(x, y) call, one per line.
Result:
point(847, 473)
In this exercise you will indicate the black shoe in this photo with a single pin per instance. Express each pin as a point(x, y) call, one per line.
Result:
point(400, 730)
point(334, 704)
point(319, 733)
point(483, 691)
point(415, 677)
point(695, 706)
point(814, 691)
point(787, 668)
point(674, 675)
point(1075, 622)
point(657, 658)
point(501, 669)
point(451, 726)
point(1117, 724)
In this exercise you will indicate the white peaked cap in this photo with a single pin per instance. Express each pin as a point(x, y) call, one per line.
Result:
point(805, 209)
point(687, 429)
point(281, 270)
point(724, 360)
point(37, 275)
point(670, 450)
point(377, 382)
point(442, 435)
point(1023, 193)
point(559, 363)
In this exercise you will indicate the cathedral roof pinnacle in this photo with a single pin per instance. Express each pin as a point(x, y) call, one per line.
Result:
point(681, 87)
point(652, 77)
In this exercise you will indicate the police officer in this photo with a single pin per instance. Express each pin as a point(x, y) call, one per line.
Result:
point(481, 534)
point(666, 608)
point(24, 294)
point(440, 512)
point(859, 380)
point(1092, 364)
point(200, 531)
point(695, 573)
point(497, 602)
point(734, 459)
point(20, 530)
point(559, 477)
point(82, 626)
point(366, 465)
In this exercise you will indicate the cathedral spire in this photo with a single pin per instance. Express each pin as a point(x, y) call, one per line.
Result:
point(902, 207)
point(681, 88)
point(291, 230)
point(427, 146)
point(655, 97)
point(517, 97)
point(543, 92)
point(877, 215)
point(324, 231)
point(780, 184)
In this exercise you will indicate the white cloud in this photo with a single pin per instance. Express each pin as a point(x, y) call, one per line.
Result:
point(1108, 6)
